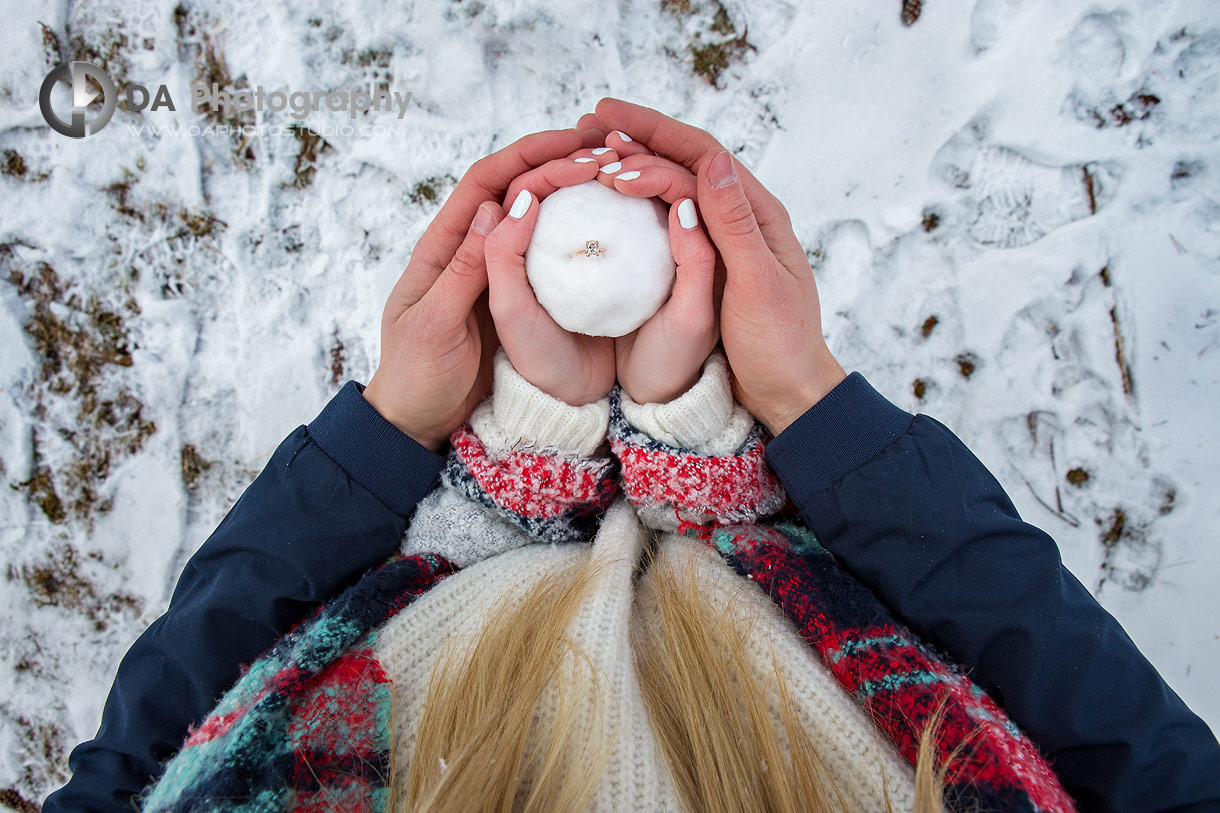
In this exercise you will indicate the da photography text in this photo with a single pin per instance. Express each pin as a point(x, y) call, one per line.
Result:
point(84, 77)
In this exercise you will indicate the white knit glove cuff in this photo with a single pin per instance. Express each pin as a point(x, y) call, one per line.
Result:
point(705, 419)
point(520, 416)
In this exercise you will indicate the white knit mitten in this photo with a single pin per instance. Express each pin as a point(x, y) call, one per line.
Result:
point(526, 467)
point(697, 460)
point(518, 416)
point(705, 419)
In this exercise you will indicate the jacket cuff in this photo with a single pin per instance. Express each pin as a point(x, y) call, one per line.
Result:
point(520, 416)
point(387, 463)
point(704, 419)
point(851, 425)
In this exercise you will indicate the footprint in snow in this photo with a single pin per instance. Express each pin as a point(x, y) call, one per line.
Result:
point(1014, 200)
point(989, 21)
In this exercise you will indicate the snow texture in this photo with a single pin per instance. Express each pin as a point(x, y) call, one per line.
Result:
point(1011, 208)
point(599, 260)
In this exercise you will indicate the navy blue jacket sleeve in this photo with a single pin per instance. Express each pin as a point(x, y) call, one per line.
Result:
point(914, 515)
point(332, 502)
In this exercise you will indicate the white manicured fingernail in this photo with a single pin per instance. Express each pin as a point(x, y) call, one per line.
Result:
point(629, 176)
point(601, 151)
point(610, 169)
point(585, 161)
point(626, 138)
point(686, 214)
point(521, 205)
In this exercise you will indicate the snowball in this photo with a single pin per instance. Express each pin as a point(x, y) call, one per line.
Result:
point(599, 260)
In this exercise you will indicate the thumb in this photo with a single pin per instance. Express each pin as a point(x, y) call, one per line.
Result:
point(730, 217)
point(696, 265)
point(510, 297)
point(465, 278)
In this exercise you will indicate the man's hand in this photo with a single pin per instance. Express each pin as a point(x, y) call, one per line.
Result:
point(437, 336)
point(770, 318)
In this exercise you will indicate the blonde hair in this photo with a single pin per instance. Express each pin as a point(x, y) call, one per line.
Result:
point(482, 745)
point(480, 737)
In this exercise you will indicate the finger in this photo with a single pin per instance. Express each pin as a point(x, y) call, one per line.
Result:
point(693, 148)
point(606, 157)
point(642, 160)
point(487, 179)
point(625, 145)
point(730, 221)
point(665, 180)
point(688, 145)
point(510, 298)
point(589, 121)
point(465, 278)
point(691, 302)
point(608, 164)
point(599, 155)
point(553, 175)
point(591, 135)
point(609, 168)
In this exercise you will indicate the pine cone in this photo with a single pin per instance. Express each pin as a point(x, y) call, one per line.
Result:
point(910, 11)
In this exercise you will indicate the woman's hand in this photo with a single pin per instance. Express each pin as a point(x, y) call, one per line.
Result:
point(437, 336)
point(572, 367)
point(663, 357)
point(770, 318)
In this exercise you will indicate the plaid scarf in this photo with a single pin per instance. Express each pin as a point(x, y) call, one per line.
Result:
point(306, 728)
point(900, 680)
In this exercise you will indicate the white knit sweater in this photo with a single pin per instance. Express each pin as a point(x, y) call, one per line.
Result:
point(502, 563)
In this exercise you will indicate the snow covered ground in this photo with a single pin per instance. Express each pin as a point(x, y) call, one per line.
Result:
point(1012, 207)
